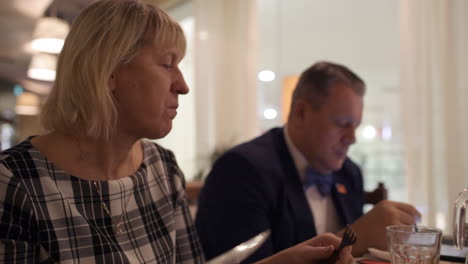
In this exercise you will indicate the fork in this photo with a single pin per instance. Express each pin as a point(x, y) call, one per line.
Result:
point(349, 238)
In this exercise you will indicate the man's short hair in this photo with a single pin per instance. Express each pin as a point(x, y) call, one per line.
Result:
point(316, 82)
point(104, 36)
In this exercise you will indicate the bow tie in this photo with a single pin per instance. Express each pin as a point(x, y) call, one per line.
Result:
point(324, 183)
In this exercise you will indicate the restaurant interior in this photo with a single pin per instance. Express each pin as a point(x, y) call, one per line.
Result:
point(242, 62)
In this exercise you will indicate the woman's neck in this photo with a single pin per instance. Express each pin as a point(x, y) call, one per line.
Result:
point(90, 159)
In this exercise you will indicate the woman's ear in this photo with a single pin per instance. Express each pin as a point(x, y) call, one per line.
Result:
point(112, 82)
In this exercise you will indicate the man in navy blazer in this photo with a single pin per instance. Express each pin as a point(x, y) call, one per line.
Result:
point(297, 181)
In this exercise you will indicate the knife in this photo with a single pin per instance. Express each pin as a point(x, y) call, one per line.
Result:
point(241, 251)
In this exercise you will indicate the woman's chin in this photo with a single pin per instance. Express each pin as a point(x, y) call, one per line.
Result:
point(162, 132)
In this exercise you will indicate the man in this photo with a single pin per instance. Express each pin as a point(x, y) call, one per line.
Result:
point(297, 180)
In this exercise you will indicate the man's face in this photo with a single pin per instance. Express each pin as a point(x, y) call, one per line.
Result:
point(329, 131)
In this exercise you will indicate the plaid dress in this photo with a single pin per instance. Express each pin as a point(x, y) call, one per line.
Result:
point(49, 216)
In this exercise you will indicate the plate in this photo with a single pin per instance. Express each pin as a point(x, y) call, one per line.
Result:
point(241, 251)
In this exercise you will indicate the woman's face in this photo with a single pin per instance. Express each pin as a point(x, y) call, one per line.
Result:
point(146, 90)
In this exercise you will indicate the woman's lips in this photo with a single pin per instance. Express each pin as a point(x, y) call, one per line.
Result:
point(173, 110)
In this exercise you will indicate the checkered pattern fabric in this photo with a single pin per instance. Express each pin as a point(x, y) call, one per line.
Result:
point(49, 216)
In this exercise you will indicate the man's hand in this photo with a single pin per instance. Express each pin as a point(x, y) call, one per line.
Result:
point(370, 228)
point(314, 250)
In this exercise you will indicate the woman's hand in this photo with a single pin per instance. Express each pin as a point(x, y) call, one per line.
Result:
point(314, 250)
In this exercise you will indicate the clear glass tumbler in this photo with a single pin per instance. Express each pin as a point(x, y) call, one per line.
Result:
point(409, 244)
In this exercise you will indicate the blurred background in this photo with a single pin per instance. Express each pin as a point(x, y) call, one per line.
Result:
point(242, 62)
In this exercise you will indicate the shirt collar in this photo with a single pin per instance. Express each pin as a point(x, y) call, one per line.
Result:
point(298, 158)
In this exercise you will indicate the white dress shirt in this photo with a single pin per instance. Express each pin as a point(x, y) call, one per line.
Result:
point(322, 208)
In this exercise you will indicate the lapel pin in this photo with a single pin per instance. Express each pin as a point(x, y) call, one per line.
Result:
point(341, 188)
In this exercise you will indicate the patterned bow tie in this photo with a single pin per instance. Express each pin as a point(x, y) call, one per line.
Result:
point(324, 183)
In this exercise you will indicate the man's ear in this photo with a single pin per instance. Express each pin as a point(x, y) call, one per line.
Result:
point(299, 109)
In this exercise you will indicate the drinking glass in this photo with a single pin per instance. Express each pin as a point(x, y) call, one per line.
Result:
point(410, 244)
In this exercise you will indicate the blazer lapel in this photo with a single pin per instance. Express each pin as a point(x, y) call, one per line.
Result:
point(297, 200)
point(340, 197)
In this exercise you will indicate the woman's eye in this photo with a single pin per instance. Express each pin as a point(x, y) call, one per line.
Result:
point(167, 66)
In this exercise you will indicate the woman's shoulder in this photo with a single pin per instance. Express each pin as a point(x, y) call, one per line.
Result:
point(17, 164)
point(18, 154)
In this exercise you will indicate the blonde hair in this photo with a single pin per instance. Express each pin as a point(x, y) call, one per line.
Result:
point(105, 35)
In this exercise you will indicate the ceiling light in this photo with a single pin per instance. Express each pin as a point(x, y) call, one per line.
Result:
point(266, 76)
point(27, 104)
point(49, 45)
point(387, 132)
point(270, 113)
point(369, 132)
point(50, 34)
point(42, 67)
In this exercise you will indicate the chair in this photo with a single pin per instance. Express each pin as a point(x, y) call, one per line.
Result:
point(192, 189)
point(377, 195)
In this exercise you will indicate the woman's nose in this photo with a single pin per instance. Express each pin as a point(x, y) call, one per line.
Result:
point(180, 86)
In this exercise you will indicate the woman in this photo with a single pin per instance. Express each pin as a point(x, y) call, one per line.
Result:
point(92, 190)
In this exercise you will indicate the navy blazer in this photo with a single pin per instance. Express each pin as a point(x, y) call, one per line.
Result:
point(254, 187)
